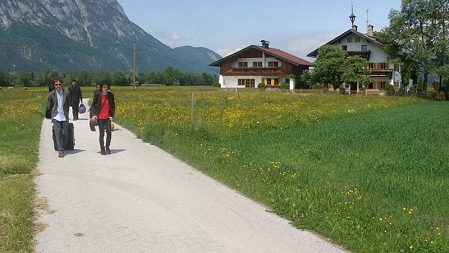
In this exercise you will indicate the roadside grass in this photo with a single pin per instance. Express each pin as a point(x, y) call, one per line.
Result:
point(20, 124)
point(370, 173)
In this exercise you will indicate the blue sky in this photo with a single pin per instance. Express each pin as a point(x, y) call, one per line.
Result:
point(295, 26)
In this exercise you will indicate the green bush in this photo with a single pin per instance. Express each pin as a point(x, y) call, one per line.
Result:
point(216, 84)
point(261, 86)
point(285, 86)
point(316, 86)
point(390, 90)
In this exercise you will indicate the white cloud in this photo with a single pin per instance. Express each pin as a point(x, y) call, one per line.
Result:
point(226, 51)
point(171, 39)
point(305, 44)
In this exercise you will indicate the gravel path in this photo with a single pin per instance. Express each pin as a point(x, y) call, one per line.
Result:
point(141, 199)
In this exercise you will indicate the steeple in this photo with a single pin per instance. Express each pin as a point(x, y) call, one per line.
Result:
point(352, 18)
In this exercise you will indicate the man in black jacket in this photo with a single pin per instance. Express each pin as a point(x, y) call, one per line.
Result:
point(59, 101)
point(76, 98)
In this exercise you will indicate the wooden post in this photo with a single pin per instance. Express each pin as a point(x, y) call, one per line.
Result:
point(192, 113)
point(134, 70)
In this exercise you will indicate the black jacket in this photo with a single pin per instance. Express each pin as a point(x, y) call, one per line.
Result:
point(75, 94)
point(96, 104)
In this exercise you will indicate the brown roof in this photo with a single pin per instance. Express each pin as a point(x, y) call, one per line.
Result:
point(277, 53)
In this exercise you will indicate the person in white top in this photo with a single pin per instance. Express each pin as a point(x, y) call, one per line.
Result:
point(59, 101)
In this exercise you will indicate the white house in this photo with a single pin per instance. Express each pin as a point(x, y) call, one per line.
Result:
point(260, 64)
point(367, 46)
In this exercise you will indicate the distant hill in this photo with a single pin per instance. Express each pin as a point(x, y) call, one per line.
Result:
point(92, 35)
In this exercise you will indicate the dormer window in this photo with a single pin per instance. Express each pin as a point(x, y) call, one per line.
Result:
point(357, 39)
point(349, 40)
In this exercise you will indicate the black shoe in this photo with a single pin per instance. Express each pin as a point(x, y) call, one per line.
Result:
point(103, 152)
point(108, 151)
point(61, 155)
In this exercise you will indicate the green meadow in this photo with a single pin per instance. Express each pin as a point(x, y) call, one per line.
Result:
point(369, 173)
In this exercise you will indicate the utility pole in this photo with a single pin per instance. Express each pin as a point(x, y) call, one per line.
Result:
point(134, 72)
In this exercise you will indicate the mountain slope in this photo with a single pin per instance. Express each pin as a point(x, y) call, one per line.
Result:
point(92, 35)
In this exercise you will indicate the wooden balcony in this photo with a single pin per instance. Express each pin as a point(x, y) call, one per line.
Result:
point(270, 71)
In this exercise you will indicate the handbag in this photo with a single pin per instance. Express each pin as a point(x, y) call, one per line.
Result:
point(47, 113)
point(92, 124)
point(82, 109)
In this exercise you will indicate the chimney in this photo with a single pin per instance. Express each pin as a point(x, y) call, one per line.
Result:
point(354, 28)
point(265, 44)
point(369, 32)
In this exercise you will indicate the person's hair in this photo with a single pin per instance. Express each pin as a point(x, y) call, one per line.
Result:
point(73, 80)
point(55, 79)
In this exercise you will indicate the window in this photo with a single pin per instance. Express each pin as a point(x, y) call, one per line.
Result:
point(243, 64)
point(287, 80)
point(344, 48)
point(349, 40)
point(357, 39)
point(383, 65)
point(364, 48)
point(273, 64)
point(272, 82)
point(249, 83)
point(370, 65)
point(382, 85)
point(257, 64)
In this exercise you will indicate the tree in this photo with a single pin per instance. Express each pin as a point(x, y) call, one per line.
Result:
point(328, 65)
point(120, 79)
point(354, 70)
point(308, 78)
point(417, 34)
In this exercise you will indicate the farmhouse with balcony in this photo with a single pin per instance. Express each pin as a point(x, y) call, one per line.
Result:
point(366, 46)
point(260, 64)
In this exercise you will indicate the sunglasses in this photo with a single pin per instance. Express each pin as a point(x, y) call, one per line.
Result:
point(57, 84)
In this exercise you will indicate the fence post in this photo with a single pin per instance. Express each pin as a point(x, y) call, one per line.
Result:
point(192, 113)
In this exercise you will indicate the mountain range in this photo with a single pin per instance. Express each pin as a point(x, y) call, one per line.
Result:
point(86, 35)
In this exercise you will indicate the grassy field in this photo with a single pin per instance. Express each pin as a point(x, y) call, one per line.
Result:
point(20, 123)
point(370, 173)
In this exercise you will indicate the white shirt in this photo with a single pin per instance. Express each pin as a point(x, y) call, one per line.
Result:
point(60, 110)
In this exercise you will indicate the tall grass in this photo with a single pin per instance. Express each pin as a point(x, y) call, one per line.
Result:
point(20, 123)
point(371, 173)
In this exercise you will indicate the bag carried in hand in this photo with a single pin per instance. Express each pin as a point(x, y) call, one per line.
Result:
point(92, 124)
point(47, 113)
point(82, 109)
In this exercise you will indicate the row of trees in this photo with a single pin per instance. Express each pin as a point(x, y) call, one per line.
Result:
point(170, 77)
